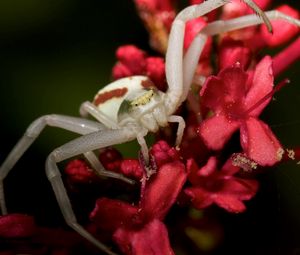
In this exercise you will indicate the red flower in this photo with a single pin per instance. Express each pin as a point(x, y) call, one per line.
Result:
point(157, 16)
point(192, 28)
point(138, 229)
point(155, 5)
point(17, 226)
point(237, 8)
point(211, 186)
point(24, 236)
point(78, 171)
point(237, 100)
point(286, 57)
point(231, 52)
point(133, 61)
point(257, 37)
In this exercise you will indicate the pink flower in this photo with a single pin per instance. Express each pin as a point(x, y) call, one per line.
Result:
point(237, 100)
point(138, 229)
point(220, 187)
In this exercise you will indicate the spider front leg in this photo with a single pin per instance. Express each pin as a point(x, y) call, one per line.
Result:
point(193, 53)
point(81, 145)
point(221, 26)
point(178, 80)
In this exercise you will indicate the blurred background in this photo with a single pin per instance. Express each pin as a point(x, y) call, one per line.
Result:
point(55, 54)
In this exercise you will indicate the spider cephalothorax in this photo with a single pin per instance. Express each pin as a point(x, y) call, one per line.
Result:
point(132, 99)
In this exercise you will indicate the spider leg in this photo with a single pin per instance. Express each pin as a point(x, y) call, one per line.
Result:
point(73, 124)
point(190, 62)
point(77, 125)
point(174, 55)
point(83, 144)
point(192, 54)
point(222, 26)
point(99, 169)
point(89, 108)
point(260, 13)
point(142, 142)
point(180, 129)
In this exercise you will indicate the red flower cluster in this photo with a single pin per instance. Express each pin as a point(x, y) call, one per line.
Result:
point(221, 187)
point(133, 61)
point(228, 102)
point(235, 97)
point(137, 228)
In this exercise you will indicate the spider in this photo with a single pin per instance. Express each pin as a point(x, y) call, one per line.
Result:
point(129, 108)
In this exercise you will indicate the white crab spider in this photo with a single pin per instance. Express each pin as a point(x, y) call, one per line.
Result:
point(128, 109)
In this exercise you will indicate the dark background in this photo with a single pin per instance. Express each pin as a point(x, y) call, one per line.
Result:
point(56, 54)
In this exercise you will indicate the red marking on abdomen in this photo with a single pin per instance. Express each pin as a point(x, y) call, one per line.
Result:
point(147, 83)
point(103, 97)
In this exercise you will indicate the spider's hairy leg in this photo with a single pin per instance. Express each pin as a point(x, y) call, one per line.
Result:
point(260, 13)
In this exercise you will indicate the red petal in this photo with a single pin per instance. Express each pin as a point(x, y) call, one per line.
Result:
point(242, 189)
point(217, 130)
point(17, 226)
point(120, 70)
point(151, 240)
point(132, 57)
point(155, 70)
point(283, 31)
point(162, 191)
point(262, 84)
point(259, 142)
point(226, 91)
point(78, 171)
point(200, 197)
point(234, 9)
point(111, 159)
point(111, 214)
point(192, 171)
point(237, 8)
point(131, 168)
point(192, 2)
point(155, 5)
point(231, 52)
point(230, 203)
point(192, 28)
point(163, 153)
point(284, 59)
point(229, 169)
point(209, 168)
